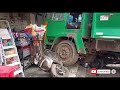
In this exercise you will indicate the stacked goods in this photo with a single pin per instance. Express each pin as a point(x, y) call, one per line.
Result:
point(9, 60)
point(7, 42)
point(9, 51)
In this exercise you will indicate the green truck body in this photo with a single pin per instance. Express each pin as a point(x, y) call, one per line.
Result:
point(107, 28)
point(95, 26)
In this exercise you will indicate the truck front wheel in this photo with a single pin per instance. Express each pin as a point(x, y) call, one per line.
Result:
point(66, 52)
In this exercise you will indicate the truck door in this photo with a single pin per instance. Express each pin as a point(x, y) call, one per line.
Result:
point(56, 21)
point(56, 26)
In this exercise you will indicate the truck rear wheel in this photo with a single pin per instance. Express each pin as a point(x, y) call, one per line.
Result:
point(66, 52)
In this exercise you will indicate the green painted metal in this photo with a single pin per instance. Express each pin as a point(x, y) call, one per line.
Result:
point(57, 29)
point(107, 27)
point(86, 32)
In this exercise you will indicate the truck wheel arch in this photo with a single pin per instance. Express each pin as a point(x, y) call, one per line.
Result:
point(58, 40)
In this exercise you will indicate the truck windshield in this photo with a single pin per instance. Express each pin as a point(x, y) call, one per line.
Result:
point(49, 15)
point(55, 16)
point(58, 16)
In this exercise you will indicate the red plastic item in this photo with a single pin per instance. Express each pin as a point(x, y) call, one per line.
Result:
point(28, 30)
point(39, 30)
point(7, 71)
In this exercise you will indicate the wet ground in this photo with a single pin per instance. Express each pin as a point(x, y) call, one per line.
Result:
point(75, 71)
point(34, 71)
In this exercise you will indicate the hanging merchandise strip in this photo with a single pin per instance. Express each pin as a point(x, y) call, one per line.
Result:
point(1, 55)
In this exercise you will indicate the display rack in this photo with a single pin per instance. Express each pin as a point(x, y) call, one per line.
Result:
point(8, 50)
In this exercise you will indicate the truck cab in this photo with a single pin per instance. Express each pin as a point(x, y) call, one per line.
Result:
point(65, 33)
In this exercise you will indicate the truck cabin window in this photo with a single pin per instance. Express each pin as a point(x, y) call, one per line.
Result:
point(49, 15)
point(74, 21)
point(58, 17)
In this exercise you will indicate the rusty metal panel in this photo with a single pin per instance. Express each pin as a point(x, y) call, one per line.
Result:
point(108, 45)
point(72, 35)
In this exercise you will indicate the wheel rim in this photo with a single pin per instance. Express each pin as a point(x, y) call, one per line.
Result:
point(64, 52)
point(60, 70)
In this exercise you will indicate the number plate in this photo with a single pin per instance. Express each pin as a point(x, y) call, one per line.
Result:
point(103, 18)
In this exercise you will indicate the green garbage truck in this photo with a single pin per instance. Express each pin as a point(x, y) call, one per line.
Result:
point(83, 35)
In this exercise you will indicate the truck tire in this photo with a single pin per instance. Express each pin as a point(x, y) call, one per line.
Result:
point(66, 52)
point(97, 63)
